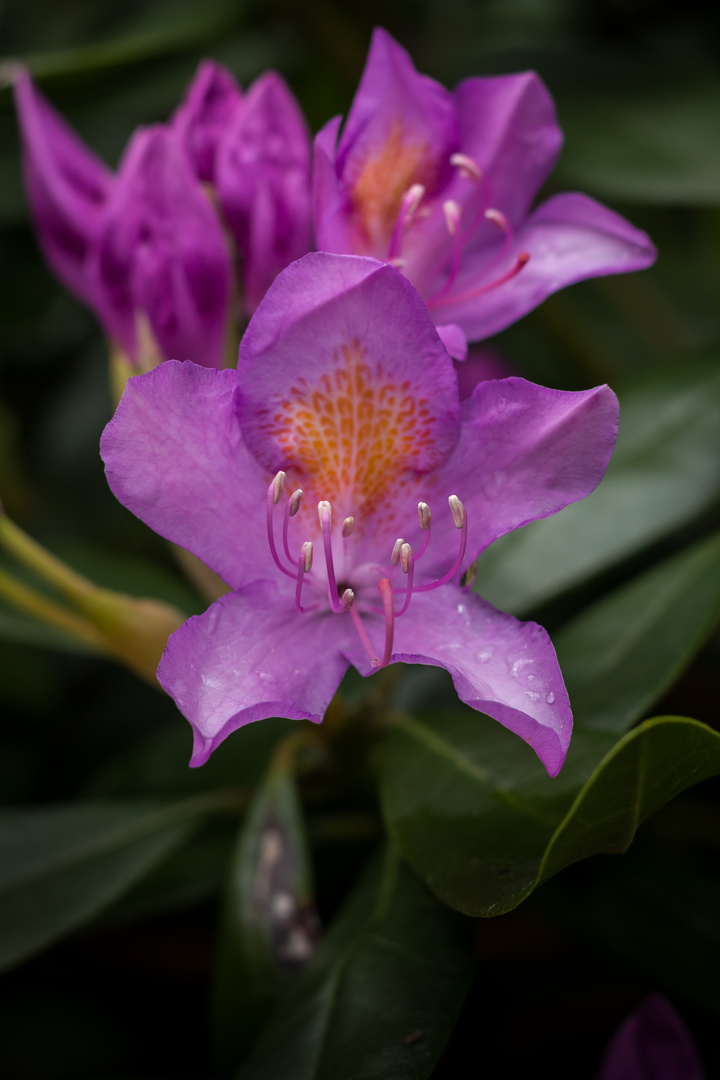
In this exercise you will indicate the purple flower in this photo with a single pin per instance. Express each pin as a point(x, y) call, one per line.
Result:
point(67, 187)
point(652, 1044)
point(441, 185)
point(161, 253)
point(263, 183)
point(336, 483)
point(153, 249)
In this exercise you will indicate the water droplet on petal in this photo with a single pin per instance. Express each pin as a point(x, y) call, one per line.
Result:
point(550, 698)
point(484, 656)
point(518, 666)
point(533, 695)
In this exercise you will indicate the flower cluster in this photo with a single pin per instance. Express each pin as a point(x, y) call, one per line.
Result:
point(336, 480)
point(153, 248)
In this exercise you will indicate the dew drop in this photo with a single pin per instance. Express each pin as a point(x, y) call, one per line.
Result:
point(484, 656)
point(533, 695)
point(550, 698)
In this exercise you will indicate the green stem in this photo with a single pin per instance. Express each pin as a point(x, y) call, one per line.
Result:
point(40, 607)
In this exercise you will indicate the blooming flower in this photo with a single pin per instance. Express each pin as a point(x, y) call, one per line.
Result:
point(335, 482)
point(652, 1044)
point(441, 184)
point(153, 248)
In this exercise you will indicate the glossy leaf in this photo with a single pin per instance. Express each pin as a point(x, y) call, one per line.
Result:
point(61, 866)
point(665, 471)
point(469, 803)
point(269, 927)
point(382, 995)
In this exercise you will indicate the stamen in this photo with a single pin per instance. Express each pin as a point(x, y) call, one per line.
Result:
point(325, 516)
point(453, 213)
point(439, 301)
point(498, 218)
point(397, 548)
point(387, 598)
point(291, 509)
point(407, 562)
point(347, 599)
point(468, 169)
point(275, 490)
point(363, 635)
point(304, 565)
point(410, 202)
point(348, 527)
point(459, 515)
point(425, 519)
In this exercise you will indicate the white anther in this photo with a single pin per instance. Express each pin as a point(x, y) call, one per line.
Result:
point(348, 526)
point(457, 510)
point(397, 548)
point(278, 486)
point(452, 212)
point(468, 169)
point(325, 513)
point(347, 599)
point(307, 554)
point(412, 199)
point(405, 556)
point(424, 516)
point(498, 219)
point(295, 500)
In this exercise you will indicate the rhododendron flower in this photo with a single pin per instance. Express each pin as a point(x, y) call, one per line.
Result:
point(152, 249)
point(337, 484)
point(440, 184)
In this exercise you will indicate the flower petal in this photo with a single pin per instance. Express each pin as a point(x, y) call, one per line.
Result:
point(401, 130)
point(211, 100)
point(524, 452)
point(454, 340)
point(249, 657)
point(568, 238)
point(66, 184)
point(162, 251)
point(501, 667)
point(653, 1042)
point(509, 127)
point(263, 182)
point(345, 382)
point(174, 455)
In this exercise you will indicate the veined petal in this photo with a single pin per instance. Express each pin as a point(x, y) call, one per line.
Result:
point(344, 381)
point(162, 251)
point(249, 657)
point(569, 238)
point(67, 187)
point(211, 100)
point(524, 453)
point(263, 182)
point(501, 667)
point(174, 455)
point(454, 340)
point(508, 125)
point(401, 130)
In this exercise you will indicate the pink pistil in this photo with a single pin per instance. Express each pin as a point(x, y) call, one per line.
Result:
point(522, 260)
point(363, 635)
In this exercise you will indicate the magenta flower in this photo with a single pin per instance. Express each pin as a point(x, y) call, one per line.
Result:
point(441, 186)
point(153, 249)
point(335, 482)
point(652, 1044)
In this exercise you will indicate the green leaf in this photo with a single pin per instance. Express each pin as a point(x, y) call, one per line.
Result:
point(60, 867)
point(665, 471)
point(269, 927)
point(469, 803)
point(623, 652)
point(382, 995)
point(483, 840)
point(657, 147)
